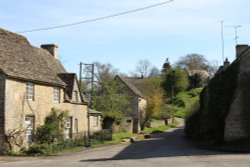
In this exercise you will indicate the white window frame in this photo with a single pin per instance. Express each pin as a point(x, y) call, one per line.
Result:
point(68, 131)
point(56, 94)
point(30, 91)
point(29, 128)
point(95, 121)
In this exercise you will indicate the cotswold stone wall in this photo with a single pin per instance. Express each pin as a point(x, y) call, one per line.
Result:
point(2, 90)
point(17, 107)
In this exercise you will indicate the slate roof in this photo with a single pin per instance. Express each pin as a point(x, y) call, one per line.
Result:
point(132, 83)
point(92, 111)
point(20, 60)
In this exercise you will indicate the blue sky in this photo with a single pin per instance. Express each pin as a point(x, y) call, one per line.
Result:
point(172, 30)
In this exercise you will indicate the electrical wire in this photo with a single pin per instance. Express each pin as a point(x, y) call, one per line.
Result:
point(96, 19)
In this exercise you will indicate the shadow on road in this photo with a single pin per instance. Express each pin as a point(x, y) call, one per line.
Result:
point(168, 144)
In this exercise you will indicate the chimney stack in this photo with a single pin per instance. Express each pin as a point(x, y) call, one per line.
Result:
point(52, 48)
point(240, 49)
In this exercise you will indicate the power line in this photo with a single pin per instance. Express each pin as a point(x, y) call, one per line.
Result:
point(96, 19)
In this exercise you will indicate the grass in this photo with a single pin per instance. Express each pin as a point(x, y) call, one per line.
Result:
point(186, 102)
point(159, 129)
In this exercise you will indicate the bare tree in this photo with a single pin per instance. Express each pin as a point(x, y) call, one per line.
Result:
point(143, 67)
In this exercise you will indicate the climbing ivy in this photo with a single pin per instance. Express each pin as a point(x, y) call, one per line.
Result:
point(215, 104)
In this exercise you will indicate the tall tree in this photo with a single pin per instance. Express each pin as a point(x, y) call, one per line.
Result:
point(166, 66)
point(174, 81)
point(151, 88)
point(143, 67)
point(112, 102)
point(192, 62)
point(104, 73)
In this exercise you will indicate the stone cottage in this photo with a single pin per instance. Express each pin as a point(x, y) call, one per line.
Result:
point(32, 82)
point(136, 98)
point(238, 118)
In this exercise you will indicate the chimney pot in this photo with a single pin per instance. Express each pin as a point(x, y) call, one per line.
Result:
point(52, 48)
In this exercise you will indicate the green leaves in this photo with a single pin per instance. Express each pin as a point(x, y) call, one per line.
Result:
point(112, 101)
point(53, 127)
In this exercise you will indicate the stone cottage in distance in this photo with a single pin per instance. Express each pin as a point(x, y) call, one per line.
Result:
point(136, 99)
point(32, 82)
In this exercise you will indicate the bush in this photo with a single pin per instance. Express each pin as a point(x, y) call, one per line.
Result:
point(42, 149)
point(102, 135)
point(53, 127)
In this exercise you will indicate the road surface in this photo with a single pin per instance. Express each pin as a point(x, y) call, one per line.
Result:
point(162, 150)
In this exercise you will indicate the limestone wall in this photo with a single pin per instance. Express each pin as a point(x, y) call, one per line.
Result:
point(95, 128)
point(2, 90)
point(17, 107)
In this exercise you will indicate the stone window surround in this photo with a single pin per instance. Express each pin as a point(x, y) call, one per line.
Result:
point(56, 95)
point(30, 91)
point(75, 96)
point(29, 128)
point(95, 121)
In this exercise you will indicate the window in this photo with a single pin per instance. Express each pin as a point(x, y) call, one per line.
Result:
point(68, 128)
point(29, 128)
point(95, 120)
point(56, 96)
point(75, 96)
point(30, 91)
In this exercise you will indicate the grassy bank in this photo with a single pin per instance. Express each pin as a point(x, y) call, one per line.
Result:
point(186, 102)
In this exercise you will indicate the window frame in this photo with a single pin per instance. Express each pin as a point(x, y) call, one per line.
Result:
point(30, 91)
point(56, 95)
point(29, 129)
point(68, 131)
point(95, 120)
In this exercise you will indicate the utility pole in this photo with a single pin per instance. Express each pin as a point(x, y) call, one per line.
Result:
point(80, 77)
point(172, 114)
point(222, 39)
point(91, 70)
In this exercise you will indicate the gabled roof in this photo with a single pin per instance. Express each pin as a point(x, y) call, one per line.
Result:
point(132, 83)
point(70, 79)
point(20, 60)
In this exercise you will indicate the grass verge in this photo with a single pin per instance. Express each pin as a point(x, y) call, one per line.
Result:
point(159, 129)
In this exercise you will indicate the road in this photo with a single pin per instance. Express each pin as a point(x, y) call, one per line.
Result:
point(167, 149)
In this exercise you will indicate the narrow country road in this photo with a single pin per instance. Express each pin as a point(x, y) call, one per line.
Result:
point(167, 149)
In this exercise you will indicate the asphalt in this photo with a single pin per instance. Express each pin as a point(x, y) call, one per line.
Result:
point(166, 149)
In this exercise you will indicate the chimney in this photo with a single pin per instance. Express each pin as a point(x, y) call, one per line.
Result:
point(52, 48)
point(240, 49)
point(226, 64)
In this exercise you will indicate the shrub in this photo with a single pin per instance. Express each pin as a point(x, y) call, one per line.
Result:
point(102, 135)
point(53, 127)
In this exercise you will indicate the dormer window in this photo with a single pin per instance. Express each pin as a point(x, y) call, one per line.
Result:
point(75, 96)
point(30, 91)
point(56, 95)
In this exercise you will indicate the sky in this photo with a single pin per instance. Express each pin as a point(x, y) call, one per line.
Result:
point(169, 31)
